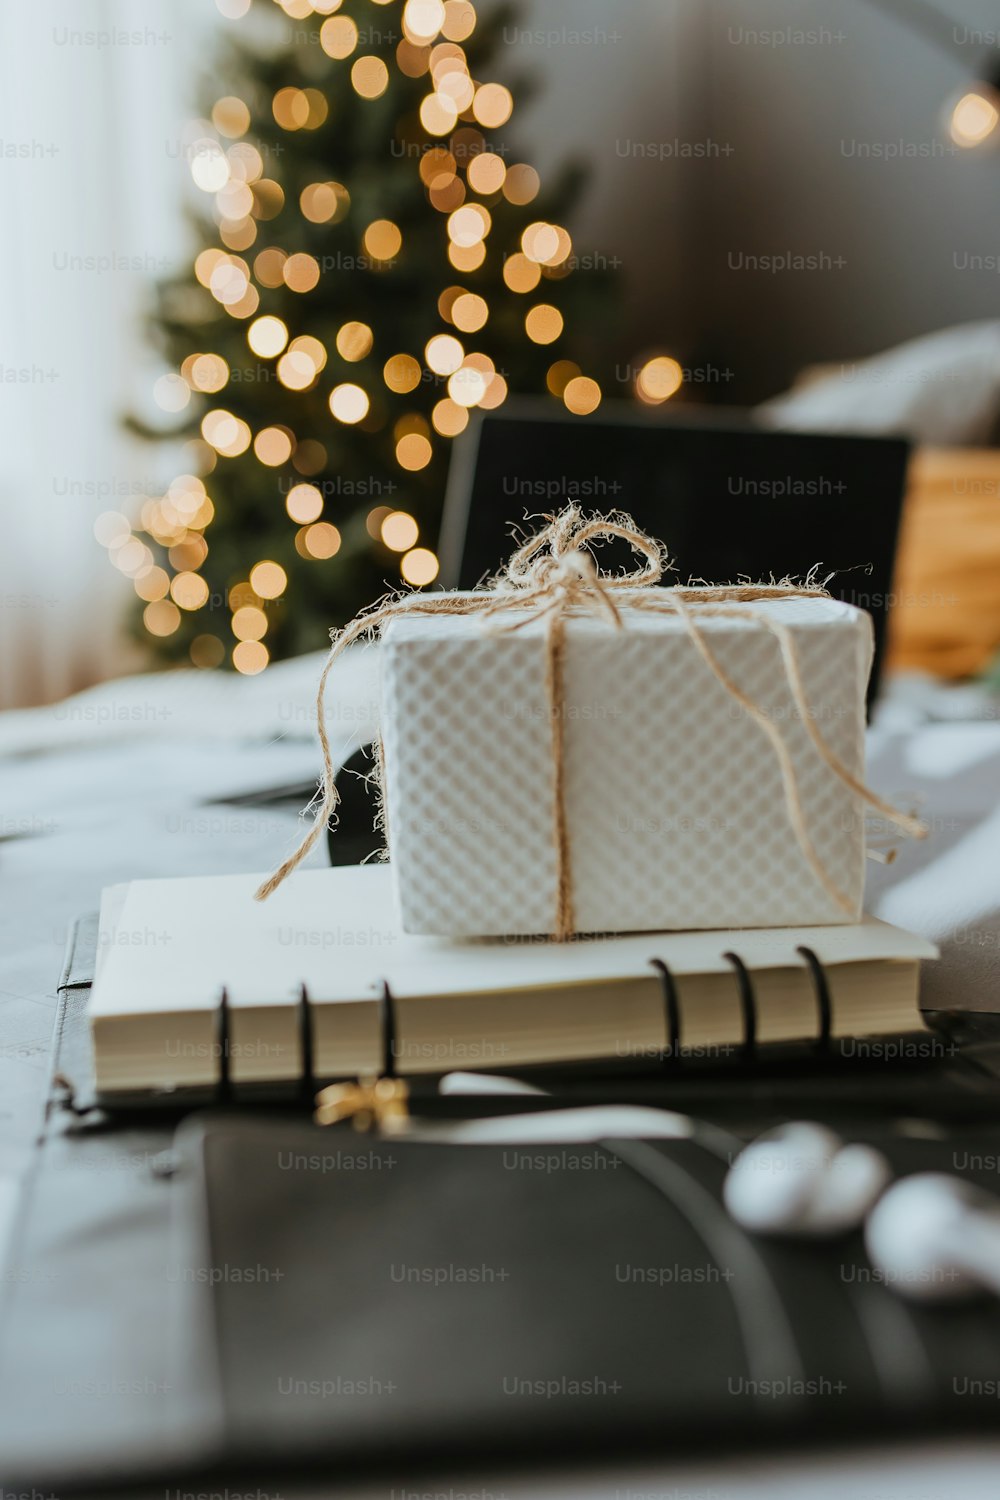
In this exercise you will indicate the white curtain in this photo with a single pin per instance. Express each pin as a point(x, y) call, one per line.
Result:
point(93, 98)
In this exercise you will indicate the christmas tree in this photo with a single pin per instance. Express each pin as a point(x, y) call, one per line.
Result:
point(376, 265)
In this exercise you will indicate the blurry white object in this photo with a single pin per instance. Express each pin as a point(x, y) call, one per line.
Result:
point(804, 1181)
point(453, 1084)
point(935, 1238)
point(201, 705)
point(589, 1124)
point(942, 389)
point(80, 252)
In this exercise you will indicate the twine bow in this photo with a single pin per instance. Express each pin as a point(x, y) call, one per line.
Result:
point(552, 575)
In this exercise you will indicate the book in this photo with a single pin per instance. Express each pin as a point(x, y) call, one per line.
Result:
point(196, 982)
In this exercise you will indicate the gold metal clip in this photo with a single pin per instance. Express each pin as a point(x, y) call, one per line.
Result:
point(371, 1103)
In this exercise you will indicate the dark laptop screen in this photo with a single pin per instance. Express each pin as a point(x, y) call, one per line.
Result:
point(729, 501)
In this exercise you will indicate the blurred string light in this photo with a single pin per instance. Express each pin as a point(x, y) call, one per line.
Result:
point(464, 181)
point(974, 115)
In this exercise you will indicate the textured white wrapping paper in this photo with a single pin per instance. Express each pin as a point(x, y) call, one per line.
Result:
point(674, 796)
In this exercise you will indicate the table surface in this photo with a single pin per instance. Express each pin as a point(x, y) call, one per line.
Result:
point(143, 778)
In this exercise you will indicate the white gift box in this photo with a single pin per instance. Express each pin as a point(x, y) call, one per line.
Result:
point(674, 796)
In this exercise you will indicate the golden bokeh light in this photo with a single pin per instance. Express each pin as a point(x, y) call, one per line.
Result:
point(246, 306)
point(401, 373)
point(234, 201)
point(311, 347)
point(419, 567)
point(470, 312)
point(229, 280)
point(304, 503)
point(187, 556)
point(269, 266)
point(467, 258)
point(209, 373)
point(189, 590)
point(468, 225)
point(564, 247)
point(241, 594)
point(399, 531)
point(582, 396)
point(540, 242)
point(273, 446)
point(349, 403)
point(544, 323)
point(521, 184)
point(227, 434)
point(443, 354)
point(296, 370)
point(658, 380)
point(162, 617)
point(495, 395)
point(322, 540)
point(382, 240)
point(370, 77)
point(354, 341)
point(250, 657)
point(446, 58)
point(338, 37)
point(486, 173)
point(521, 274)
point(438, 114)
point(414, 452)
point(206, 651)
point(267, 336)
point(230, 117)
point(412, 59)
point(206, 262)
point(423, 19)
point(560, 374)
point(324, 202)
point(448, 195)
point(374, 519)
point(459, 20)
point(449, 419)
point(245, 162)
point(238, 236)
point(268, 198)
point(468, 386)
point(300, 272)
point(290, 108)
point(437, 167)
point(975, 117)
point(319, 108)
point(493, 105)
point(209, 165)
point(249, 623)
point(153, 585)
point(455, 85)
point(268, 579)
point(446, 301)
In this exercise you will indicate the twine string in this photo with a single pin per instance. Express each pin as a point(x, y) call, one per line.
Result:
point(554, 574)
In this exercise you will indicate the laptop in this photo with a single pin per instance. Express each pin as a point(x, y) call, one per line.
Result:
point(731, 499)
